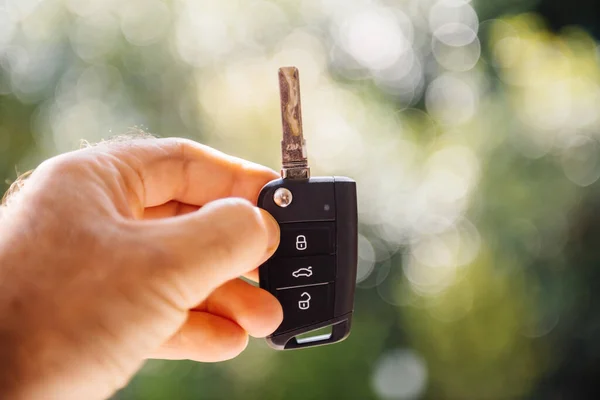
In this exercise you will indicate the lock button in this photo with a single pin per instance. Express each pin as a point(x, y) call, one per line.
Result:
point(306, 239)
point(301, 242)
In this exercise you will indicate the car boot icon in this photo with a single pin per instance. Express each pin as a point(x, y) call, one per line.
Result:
point(305, 272)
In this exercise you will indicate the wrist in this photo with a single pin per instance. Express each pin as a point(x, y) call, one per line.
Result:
point(17, 327)
point(11, 373)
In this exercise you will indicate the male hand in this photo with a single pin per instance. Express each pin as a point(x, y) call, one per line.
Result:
point(125, 251)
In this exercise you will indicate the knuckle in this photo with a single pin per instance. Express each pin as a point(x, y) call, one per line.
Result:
point(180, 147)
point(182, 144)
point(59, 165)
point(66, 166)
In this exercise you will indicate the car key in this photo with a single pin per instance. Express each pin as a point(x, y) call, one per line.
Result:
point(313, 271)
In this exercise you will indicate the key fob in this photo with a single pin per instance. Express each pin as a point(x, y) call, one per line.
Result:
point(313, 271)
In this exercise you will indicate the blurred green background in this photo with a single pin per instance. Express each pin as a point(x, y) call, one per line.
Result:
point(471, 127)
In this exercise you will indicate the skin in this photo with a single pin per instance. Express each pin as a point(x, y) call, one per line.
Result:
point(126, 251)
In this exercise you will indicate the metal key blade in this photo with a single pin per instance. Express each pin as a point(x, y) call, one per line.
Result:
point(293, 145)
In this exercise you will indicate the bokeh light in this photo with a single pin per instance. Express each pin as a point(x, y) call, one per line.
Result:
point(401, 374)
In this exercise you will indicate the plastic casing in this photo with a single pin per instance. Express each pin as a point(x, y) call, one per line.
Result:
point(309, 205)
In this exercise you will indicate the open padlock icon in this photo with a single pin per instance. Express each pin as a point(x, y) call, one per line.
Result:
point(304, 304)
point(301, 243)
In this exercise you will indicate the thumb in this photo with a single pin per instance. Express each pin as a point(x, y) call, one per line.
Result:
point(224, 239)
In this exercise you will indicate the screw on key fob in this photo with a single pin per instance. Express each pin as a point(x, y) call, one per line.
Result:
point(313, 271)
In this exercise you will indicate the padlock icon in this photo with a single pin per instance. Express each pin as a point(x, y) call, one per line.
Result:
point(301, 243)
point(304, 304)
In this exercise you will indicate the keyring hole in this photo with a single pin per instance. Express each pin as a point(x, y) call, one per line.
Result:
point(316, 335)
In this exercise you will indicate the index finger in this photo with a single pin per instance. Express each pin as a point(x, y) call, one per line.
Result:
point(188, 172)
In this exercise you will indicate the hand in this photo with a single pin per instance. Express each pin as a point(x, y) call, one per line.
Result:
point(129, 250)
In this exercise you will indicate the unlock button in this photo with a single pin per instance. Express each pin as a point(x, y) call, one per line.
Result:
point(304, 302)
point(307, 239)
point(305, 306)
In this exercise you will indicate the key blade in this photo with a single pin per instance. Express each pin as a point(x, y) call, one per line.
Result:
point(293, 145)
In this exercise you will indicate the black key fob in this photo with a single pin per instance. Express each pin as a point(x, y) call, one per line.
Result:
point(313, 271)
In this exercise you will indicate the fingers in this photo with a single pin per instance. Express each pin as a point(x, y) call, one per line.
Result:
point(186, 171)
point(174, 208)
point(221, 241)
point(218, 329)
point(204, 337)
point(257, 311)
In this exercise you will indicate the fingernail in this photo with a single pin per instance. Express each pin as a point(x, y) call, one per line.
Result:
point(272, 229)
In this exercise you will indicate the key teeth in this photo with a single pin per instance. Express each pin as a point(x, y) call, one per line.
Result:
point(293, 146)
